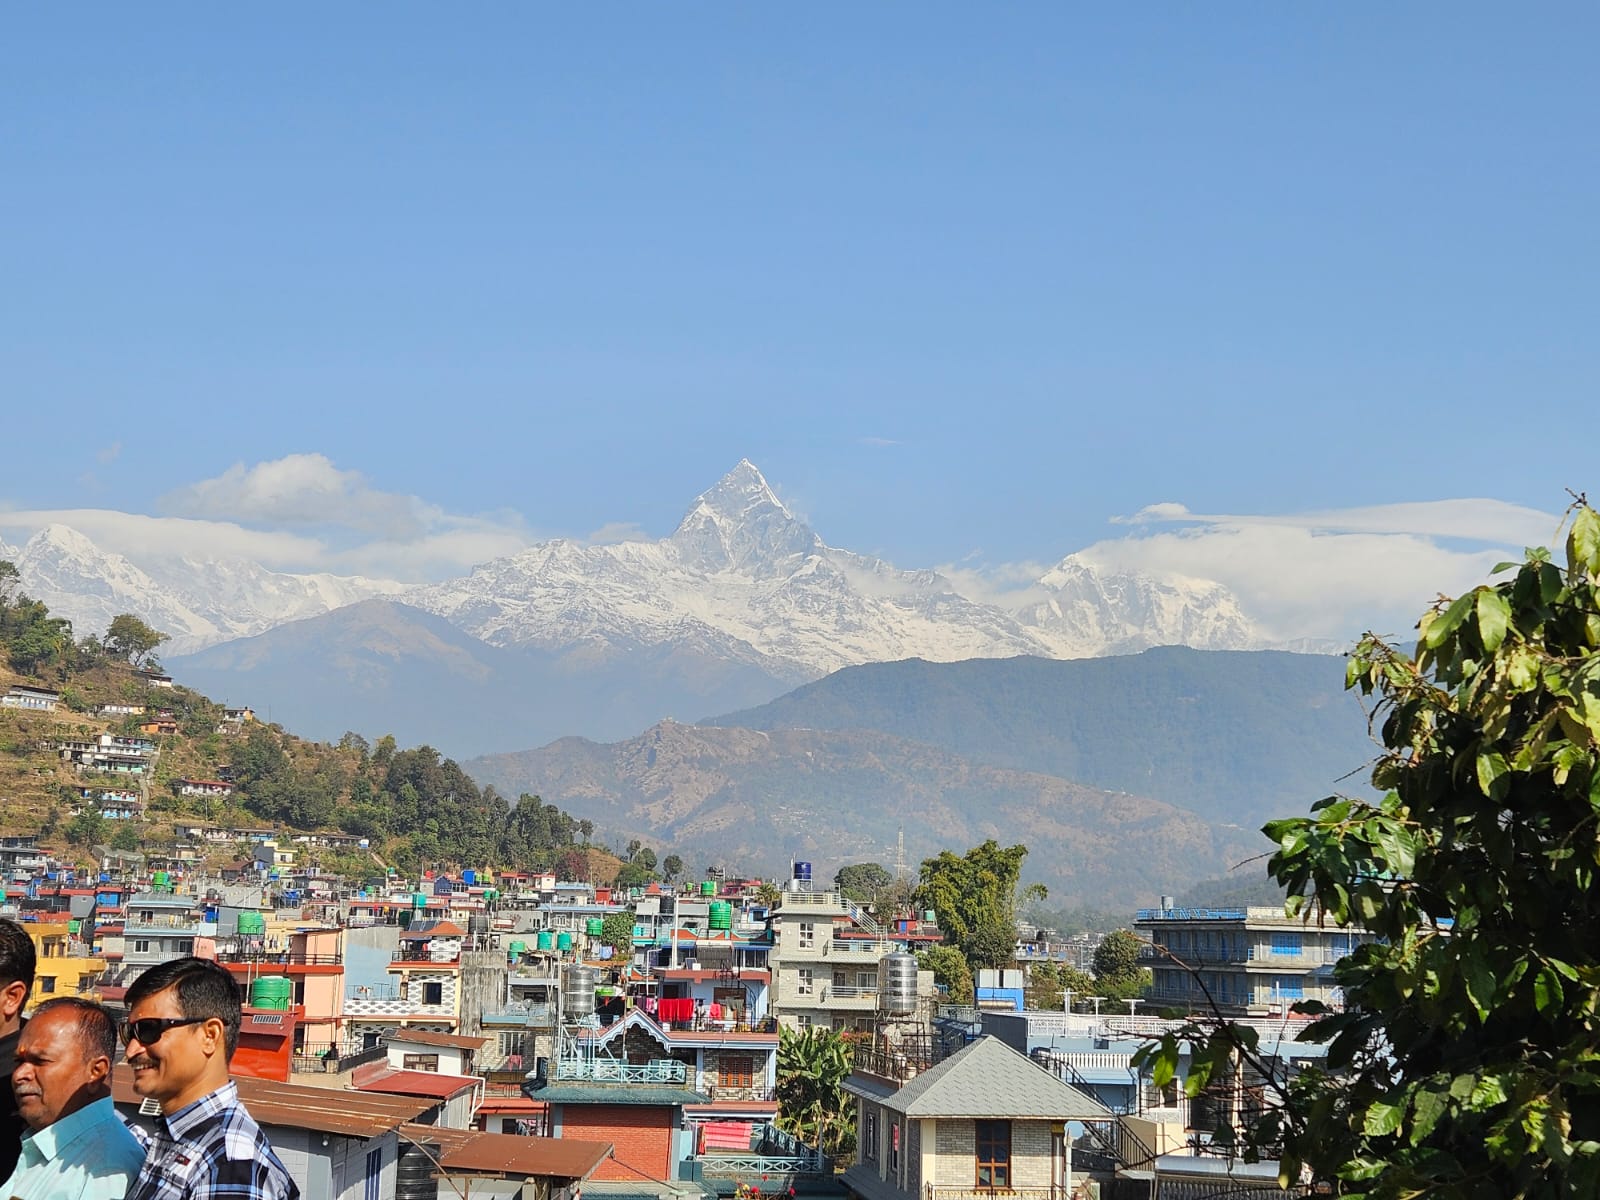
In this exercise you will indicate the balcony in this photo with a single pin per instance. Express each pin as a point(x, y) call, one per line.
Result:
point(163, 921)
point(858, 949)
point(611, 1070)
point(273, 958)
point(529, 1016)
point(977, 1193)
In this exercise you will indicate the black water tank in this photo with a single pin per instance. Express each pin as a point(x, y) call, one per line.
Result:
point(414, 1174)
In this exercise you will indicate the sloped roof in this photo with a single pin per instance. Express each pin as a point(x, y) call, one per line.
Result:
point(988, 1079)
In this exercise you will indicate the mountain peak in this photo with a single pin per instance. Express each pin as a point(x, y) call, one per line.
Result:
point(62, 537)
point(739, 523)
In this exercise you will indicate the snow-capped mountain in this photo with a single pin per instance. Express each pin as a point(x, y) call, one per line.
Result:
point(196, 602)
point(743, 578)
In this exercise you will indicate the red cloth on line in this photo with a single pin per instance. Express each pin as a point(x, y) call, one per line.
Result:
point(675, 1010)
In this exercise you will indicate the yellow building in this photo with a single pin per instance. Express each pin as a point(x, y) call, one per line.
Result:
point(65, 966)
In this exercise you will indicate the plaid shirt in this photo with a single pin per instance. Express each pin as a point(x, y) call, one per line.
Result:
point(212, 1150)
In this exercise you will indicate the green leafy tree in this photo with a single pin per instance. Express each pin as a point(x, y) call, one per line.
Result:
point(131, 640)
point(862, 882)
point(671, 867)
point(1049, 983)
point(125, 837)
point(769, 894)
point(85, 829)
point(617, 932)
point(1117, 973)
point(812, 1103)
point(1466, 1060)
point(950, 971)
point(975, 897)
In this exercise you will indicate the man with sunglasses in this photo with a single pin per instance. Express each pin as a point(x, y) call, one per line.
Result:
point(182, 1028)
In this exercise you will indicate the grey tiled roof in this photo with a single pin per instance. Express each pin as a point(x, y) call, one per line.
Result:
point(988, 1079)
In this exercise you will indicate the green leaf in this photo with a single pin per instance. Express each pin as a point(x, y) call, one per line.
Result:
point(1583, 544)
point(1426, 1109)
point(1449, 622)
point(1494, 616)
point(1478, 975)
point(1490, 768)
point(1382, 1118)
point(1547, 993)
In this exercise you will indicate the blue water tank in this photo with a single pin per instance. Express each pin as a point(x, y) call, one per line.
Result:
point(802, 871)
point(469, 877)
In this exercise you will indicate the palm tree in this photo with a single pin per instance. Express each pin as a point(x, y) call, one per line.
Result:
point(768, 895)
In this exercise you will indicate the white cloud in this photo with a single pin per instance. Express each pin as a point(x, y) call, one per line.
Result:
point(303, 489)
point(312, 516)
point(107, 455)
point(880, 441)
point(1326, 575)
point(614, 532)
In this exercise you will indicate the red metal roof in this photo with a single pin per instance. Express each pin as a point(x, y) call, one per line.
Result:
point(417, 1083)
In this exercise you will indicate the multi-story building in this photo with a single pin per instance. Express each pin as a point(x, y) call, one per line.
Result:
point(1247, 961)
point(65, 964)
point(826, 952)
point(159, 926)
point(426, 988)
point(313, 962)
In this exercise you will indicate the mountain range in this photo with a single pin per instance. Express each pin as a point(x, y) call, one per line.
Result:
point(1128, 777)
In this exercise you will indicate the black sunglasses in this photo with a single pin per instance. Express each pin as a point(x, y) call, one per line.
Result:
point(149, 1030)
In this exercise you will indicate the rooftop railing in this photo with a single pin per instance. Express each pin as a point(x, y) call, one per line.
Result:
point(611, 1070)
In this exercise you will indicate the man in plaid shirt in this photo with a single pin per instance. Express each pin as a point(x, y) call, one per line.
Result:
point(183, 1025)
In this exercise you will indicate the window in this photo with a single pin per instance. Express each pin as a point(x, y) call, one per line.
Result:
point(374, 1175)
point(1290, 987)
point(433, 993)
point(420, 1062)
point(869, 1135)
point(1286, 945)
point(737, 1071)
point(141, 946)
point(808, 935)
point(803, 982)
point(47, 984)
point(894, 1149)
point(992, 1140)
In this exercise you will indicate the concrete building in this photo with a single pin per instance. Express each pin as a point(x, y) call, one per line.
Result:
point(1249, 961)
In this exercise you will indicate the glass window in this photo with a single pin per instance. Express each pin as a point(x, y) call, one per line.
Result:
point(803, 983)
point(433, 993)
point(737, 1071)
point(869, 1138)
point(808, 935)
point(419, 1062)
point(993, 1144)
point(1286, 945)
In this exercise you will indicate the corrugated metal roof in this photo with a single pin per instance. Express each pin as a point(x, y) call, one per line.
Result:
point(425, 1037)
point(470, 1150)
point(417, 1083)
point(988, 1079)
point(296, 1106)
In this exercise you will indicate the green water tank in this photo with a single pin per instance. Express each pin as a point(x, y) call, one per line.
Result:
point(419, 900)
point(708, 888)
point(271, 991)
point(720, 914)
point(563, 941)
point(517, 949)
point(546, 940)
point(161, 881)
point(405, 918)
point(74, 925)
point(251, 924)
point(929, 915)
point(594, 926)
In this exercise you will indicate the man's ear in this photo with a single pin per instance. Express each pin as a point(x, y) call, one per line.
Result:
point(12, 997)
point(216, 1036)
point(99, 1069)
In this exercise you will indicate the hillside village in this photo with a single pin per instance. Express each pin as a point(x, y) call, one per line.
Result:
point(489, 997)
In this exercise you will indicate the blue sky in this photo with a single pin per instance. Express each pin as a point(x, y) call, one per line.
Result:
point(967, 283)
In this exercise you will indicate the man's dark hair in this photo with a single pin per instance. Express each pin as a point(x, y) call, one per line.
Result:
point(97, 1028)
point(202, 987)
point(17, 958)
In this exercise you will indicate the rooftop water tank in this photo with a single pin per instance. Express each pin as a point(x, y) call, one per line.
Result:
point(897, 985)
point(478, 924)
point(708, 887)
point(161, 881)
point(469, 877)
point(802, 872)
point(594, 926)
point(720, 915)
point(517, 949)
point(251, 924)
point(546, 940)
point(419, 900)
point(563, 941)
point(271, 991)
point(577, 992)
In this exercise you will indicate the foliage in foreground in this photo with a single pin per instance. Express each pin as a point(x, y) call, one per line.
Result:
point(812, 1103)
point(1466, 1062)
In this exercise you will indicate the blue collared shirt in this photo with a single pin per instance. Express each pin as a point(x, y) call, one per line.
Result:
point(86, 1155)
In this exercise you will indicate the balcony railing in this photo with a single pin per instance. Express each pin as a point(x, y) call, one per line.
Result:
point(611, 1070)
point(975, 1193)
point(279, 958)
point(162, 921)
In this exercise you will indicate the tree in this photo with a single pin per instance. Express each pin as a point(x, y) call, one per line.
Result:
point(950, 971)
point(863, 882)
point(131, 640)
point(812, 1103)
point(126, 836)
point(617, 932)
point(1117, 973)
point(671, 867)
point(1463, 1064)
point(974, 898)
point(87, 828)
point(769, 894)
point(10, 581)
point(1049, 983)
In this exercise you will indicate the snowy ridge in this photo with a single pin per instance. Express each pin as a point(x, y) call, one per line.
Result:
point(743, 578)
point(197, 603)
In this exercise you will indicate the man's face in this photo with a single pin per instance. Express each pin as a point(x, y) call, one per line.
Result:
point(56, 1073)
point(167, 1067)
